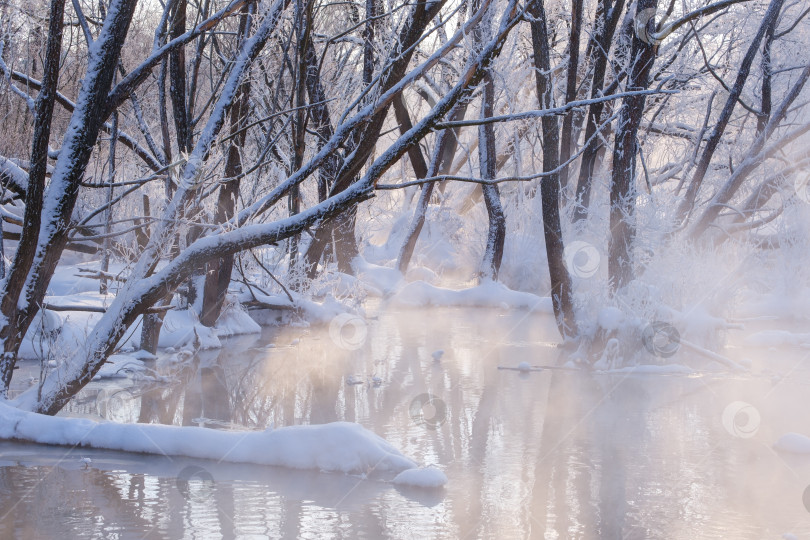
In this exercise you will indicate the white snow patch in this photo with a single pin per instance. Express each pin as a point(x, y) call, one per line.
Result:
point(793, 442)
point(610, 318)
point(336, 447)
point(424, 477)
point(181, 328)
point(119, 366)
point(420, 273)
point(382, 278)
point(341, 284)
point(234, 321)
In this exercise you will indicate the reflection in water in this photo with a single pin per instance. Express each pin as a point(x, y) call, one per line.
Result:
point(545, 454)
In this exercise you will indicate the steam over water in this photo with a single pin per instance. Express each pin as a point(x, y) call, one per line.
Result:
point(543, 453)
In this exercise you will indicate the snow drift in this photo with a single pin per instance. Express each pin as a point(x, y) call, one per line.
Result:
point(336, 447)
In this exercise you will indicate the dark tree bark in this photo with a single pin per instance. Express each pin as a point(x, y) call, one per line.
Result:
point(63, 190)
point(319, 113)
point(300, 117)
point(623, 177)
point(218, 270)
point(493, 253)
point(722, 121)
point(418, 163)
point(487, 155)
point(767, 72)
point(561, 292)
point(446, 145)
point(607, 17)
point(368, 41)
point(43, 115)
point(571, 87)
point(340, 231)
point(177, 80)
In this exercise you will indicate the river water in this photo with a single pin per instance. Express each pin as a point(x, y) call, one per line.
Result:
point(548, 453)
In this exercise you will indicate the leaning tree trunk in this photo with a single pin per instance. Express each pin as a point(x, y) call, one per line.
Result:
point(141, 291)
point(561, 292)
point(339, 232)
point(24, 256)
point(21, 302)
point(623, 179)
point(442, 160)
point(218, 271)
point(319, 113)
point(734, 94)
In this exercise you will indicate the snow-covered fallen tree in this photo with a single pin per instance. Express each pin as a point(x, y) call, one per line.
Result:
point(337, 447)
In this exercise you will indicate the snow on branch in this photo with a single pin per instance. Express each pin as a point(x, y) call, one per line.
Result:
point(554, 111)
point(123, 89)
point(484, 181)
point(12, 177)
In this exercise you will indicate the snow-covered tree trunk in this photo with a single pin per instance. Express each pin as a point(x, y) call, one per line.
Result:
point(496, 233)
point(107, 244)
point(561, 292)
point(340, 232)
point(35, 186)
point(21, 303)
point(218, 271)
point(566, 141)
point(623, 176)
point(440, 163)
point(142, 289)
point(702, 167)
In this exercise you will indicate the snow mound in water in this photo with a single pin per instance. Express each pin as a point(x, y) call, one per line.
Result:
point(793, 442)
point(234, 321)
point(120, 366)
point(337, 447)
point(425, 477)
